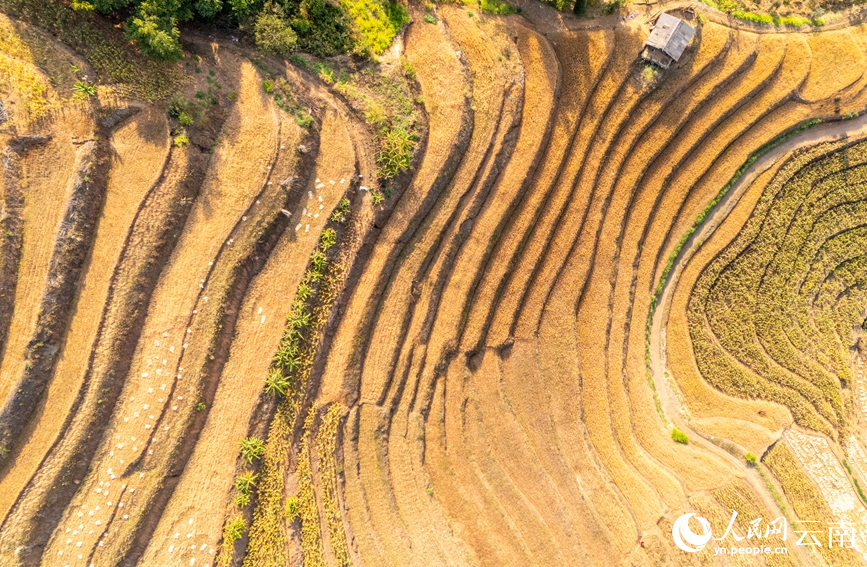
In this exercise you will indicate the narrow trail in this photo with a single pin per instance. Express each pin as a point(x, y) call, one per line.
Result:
point(669, 398)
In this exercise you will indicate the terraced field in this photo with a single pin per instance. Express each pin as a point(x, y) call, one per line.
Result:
point(602, 295)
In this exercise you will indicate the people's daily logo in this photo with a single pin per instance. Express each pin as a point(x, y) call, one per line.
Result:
point(685, 538)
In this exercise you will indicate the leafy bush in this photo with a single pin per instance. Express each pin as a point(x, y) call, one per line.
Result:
point(497, 7)
point(327, 239)
point(679, 436)
point(340, 214)
point(252, 448)
point(293, 511)
point(185, 119)
point(374, 23)
point(181, 140)
point(376, 197)
point(234, 529)
point(246, 482)
point(395, 152)
point(242, 500)
point(430, 19)
point(274, 33)
point(751, 459)
point(155, 36)
point(83, 89)
point(276, 383)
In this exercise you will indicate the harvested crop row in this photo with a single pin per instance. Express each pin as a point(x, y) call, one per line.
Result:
point(654, 122)
point(149, 243)
point(471, 499)
point(482, 46)
point(404, 464)
point(652, 187)
point(153, 393)
point(558, 349)
point(139, 153)
point(443, 79)
point(837, 62)
point(272, 535)
point(201, 493)
point(772, 111)
point(437, 271)
point(807, 500)
point(45, 174)
point(520, 381)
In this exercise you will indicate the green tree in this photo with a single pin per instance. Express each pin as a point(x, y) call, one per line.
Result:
point(273, 32)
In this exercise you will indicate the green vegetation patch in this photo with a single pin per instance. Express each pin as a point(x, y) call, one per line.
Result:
point(384, 96)
point(105, 48)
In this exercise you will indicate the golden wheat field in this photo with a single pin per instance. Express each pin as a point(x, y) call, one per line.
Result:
point(498, 292)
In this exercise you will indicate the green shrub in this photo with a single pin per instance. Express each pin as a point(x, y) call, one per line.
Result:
point(376, 197)
point(751, 459)
point(580, 7)
point(614, 5)
point(395, 152)
point(156, 37)
point(252, 448)
point(242, 500)
point(341, 213)
point(83, 89)
point(408, 69)
point(246, 482)
point(234, 529)
point(374, 23)
point(181, 140)
point(178, 106)
point(327, 239)
point(679, 436)
point(498, 7)
point(273, 33)
point(430, 19)
point(185, 119)
point(268, 86)
point(276, 383)
point(293, 511)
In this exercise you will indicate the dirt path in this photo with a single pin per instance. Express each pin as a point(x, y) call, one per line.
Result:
point(673, 410)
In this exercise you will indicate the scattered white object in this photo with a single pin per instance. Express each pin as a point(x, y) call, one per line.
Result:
point(285, 212)
point(363, 188)
point(307, 228)
point(298, 227)
point(263, 319)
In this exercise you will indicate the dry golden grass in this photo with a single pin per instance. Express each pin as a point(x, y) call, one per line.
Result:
point(807, 502)
point(46, 173)
point(235, 178)
point(837, 61)
point(140, 153)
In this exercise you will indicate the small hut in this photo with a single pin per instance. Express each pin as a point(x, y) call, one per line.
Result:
point(667, 41)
